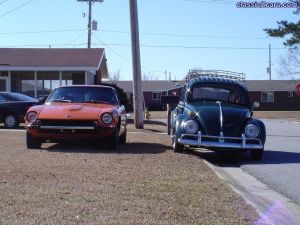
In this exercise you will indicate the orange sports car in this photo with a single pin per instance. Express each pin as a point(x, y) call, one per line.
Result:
point(77, 112)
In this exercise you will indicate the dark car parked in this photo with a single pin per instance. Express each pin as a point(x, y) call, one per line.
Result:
point(13, 107)
point(215, 113)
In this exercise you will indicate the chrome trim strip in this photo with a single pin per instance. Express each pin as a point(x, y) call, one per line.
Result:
point(66, 128)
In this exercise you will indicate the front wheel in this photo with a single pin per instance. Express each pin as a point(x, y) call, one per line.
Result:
point(11, 121)
point(257, 154)
point(114, 141)
point(176, 146)
point(32, 143)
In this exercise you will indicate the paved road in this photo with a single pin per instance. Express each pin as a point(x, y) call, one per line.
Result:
point(280, 167)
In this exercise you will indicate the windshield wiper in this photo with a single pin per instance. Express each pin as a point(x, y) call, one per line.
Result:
point(93, 101)
point(59, 100)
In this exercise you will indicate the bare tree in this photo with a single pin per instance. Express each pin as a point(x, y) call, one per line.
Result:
point(149, 76)
point(290, 64)
point(115, 77)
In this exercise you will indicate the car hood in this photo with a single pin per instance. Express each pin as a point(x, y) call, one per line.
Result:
point(76, 111)
point(208, 114)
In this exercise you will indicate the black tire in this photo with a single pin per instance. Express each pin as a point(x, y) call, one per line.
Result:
point(32, 143)
point(123, 137)
point(176, 146)
point(11, 121)
point(257, 154)
point(114, 141)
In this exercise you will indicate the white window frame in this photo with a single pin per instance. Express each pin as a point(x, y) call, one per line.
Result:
point(267, 100)
point(157, 98)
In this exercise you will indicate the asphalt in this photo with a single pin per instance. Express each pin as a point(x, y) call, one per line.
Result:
point(271, 184)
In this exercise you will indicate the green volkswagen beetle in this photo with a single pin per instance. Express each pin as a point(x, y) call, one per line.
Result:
point(215, 113)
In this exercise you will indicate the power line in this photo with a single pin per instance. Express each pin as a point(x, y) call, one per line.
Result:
point(143, 33)
point(123, 57)
point(213, 2)
point(183, 35)
point(42, 45)
point(15, 9)
point(3, 2)
point(40, 32)
point(75, 39)
point(194, 47)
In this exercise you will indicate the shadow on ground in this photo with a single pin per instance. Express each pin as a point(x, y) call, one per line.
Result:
point(100, 148)
point(237, 159)
point(150, 122)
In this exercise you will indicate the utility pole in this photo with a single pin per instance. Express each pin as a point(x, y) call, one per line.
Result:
point(90, 19)
point(136, 65)
point(270, 63)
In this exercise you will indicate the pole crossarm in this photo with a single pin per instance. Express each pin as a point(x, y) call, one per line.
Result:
point(90, 0)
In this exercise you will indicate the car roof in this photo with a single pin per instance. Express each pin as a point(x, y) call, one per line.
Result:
point(216, 80)
point(82, 85)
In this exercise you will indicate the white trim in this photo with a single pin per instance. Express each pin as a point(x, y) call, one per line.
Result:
point(9, 81)
point(35, 86)
point(60, 78)
point(99, 65)
point(261, 98)
point(85, 77)
point(23, 68)
point(6, 82)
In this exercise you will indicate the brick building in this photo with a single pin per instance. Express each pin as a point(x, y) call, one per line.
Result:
point(272, 94)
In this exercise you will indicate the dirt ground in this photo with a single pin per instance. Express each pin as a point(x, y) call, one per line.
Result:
point(83, 183)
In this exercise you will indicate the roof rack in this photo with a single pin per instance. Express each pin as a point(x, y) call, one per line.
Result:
point(216, 73)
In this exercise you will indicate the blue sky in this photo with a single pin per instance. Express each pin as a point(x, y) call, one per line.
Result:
point(175, 35)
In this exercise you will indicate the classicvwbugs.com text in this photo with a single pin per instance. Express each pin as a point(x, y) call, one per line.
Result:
point(265, 4)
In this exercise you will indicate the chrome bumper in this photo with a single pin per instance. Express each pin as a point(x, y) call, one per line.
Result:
point(220, 141)
point(60, 127)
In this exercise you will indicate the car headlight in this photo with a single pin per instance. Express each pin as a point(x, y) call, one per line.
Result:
point(32, 117)
point(106, 118)
point(190, 126)
point(251, 131)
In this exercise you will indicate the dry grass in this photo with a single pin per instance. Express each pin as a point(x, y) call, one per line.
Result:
point(143, 183)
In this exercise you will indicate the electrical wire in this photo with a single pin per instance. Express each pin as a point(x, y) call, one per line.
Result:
point(3, 2)
point(123, 57)
point(196, 47)
point(183, 35)
point(40, 32)
point(15, 9)
point(213, 2)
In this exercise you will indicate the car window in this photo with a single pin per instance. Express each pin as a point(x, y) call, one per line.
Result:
point(214, 93)
point(20, 97)
point(2, 99)
point(84, 95)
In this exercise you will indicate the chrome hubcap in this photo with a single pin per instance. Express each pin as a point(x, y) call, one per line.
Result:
point(10, 121)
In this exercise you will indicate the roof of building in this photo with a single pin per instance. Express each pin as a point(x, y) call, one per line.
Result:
point(252, 85)
point(272, 85)
point(51, 57)
point(152, 85)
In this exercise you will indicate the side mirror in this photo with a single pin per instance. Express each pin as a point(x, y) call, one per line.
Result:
point(256, 104)
point(42, 99)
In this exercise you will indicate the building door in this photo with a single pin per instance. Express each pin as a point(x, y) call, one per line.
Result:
point(3, 83)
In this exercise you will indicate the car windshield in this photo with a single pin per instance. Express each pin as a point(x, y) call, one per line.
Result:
point(228, 94)
point(84, 95)
point(21, 98)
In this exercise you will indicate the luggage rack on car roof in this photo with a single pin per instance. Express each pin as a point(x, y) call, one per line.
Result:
point(217, 74)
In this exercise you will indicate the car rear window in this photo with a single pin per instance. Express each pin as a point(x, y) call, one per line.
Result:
point(20, 97)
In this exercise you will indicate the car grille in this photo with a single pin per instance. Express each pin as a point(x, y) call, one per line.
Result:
point(67, 123)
